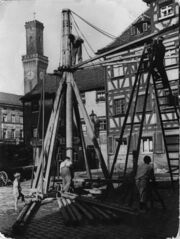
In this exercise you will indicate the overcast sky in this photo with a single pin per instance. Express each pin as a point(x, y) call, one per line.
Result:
point(113, 16)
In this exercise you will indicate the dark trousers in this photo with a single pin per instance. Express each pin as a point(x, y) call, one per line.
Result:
point(160, 67)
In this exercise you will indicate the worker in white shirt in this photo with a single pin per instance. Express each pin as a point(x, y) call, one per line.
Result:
point(65, 172)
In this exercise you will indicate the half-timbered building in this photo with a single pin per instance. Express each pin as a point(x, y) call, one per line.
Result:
point(161, 18)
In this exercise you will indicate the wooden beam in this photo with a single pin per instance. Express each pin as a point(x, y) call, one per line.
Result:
point(78, 121)
point(128, 45)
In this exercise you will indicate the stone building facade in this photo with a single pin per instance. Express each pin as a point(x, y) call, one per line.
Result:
point(11, 118)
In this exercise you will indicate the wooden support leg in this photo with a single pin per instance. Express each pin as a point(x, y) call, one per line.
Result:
point(49, 131)
point(69, 118)
point(52, 145)
point(90, 130)
point(78, 120)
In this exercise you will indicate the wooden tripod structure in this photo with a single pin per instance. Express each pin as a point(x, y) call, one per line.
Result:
point(67, 89)
point(67, 92)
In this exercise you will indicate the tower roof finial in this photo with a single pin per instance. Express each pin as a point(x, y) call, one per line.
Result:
point(34, 14)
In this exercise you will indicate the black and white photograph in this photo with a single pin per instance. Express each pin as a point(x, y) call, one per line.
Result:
point(89, 119)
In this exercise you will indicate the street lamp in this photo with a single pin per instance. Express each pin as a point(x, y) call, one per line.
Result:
point(96, 123)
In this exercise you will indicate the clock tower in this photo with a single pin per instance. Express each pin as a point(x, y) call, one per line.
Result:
point(34, 62)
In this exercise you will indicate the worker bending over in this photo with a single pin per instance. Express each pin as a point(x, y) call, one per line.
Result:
point(144, 175)
point(76, 48)
point(65, 173)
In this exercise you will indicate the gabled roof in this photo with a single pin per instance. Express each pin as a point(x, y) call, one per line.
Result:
point(86, 79)
point(126, 36)
point(10, 99)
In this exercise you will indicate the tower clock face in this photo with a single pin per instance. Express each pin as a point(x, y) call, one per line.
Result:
point(41, 75)
point(30, 75)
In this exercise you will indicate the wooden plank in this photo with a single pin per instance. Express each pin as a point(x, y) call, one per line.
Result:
point(85, 211)
point(102, 213)
point(69, 210)
point(123, 211)
point(97, 216)
point(63, 211)
point(74, 209)
point(111, 213)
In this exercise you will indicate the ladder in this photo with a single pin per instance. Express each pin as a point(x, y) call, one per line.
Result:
point(163, 108)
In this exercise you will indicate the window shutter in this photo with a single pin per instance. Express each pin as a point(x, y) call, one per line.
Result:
point(110, 145)
point(158, 142)
point(133, 144)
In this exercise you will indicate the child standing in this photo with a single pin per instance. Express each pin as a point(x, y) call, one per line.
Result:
point(17, 190)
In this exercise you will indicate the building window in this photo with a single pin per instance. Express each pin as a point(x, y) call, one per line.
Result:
point(118, 71)
point(21, 134)
point(4, 117)
point(119, 106)
point(158, 142)
point(35, 106)
point(21, 119)
point(140, 103)
point(138, 31)
point(13, 118)
point(145, 26)
point(172, 143)
point(171, 57)
point(166, 11)
point(12, 133)
point(100, 95)
point(84, 128)
point(83, 97)
point(102, 124)
point(133, 30)
point(4, 134)
point(147, 144)
point(110, 145)
point(123, 147)
point(35, 133)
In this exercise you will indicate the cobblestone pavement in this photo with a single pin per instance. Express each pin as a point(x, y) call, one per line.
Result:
point(48, 222)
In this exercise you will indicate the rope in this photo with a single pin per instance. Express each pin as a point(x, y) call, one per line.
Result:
point(76, 27)
point(96, 28)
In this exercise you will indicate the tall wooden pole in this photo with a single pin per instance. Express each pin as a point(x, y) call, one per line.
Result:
point(43, 115)
point(66, 63)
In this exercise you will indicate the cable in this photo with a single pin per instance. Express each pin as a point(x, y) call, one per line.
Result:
point(76, 27)
point(100, 62)
point(96, 28)
point(82, 34)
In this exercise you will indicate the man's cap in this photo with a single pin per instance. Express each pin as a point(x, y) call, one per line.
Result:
point(17, 175)
point(67, 157)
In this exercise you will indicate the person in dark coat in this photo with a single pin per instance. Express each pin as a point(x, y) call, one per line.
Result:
point(145, 173)
point(158, 61)
point(76, 48)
